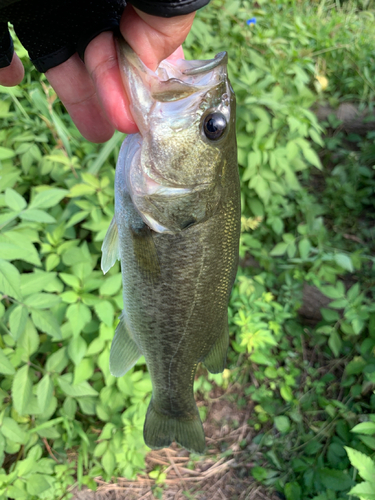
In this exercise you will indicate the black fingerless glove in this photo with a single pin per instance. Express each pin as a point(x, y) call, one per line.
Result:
point(53, 30)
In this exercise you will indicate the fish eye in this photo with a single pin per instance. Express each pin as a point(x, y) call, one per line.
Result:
point(214, 126)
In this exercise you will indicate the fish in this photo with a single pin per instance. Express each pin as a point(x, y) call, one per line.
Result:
point(175, 230)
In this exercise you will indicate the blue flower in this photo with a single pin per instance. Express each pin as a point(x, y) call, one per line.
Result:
point(252, 21)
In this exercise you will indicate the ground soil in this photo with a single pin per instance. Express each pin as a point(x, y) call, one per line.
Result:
point(222, 474)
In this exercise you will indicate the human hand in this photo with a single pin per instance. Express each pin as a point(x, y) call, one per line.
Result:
point(92, 92)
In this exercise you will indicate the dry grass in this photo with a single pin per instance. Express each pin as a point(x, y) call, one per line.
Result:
point(211, 478)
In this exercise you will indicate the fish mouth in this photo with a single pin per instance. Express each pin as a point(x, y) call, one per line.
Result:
point(169, 83)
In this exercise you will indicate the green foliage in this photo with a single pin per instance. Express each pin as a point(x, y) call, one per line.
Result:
point(307, 201)
point(57, 311)
point(307, 209)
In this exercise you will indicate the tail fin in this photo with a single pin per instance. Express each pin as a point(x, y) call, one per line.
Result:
point(160, 430)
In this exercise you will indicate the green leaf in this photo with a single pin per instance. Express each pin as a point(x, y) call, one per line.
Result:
point(14, 245)
point(282, 423)
point(365, 491)
point(364, 464)
point(21, 390)
point(304, 247)
point(9, 280)
point(286, 393)
point(83, 371)
point(338, 304)
point(108, 430)
point(292, 491)
point(332, 292)
point(96, 346)
point(42, 300)
point(368, 441)
point(35, 282)
point(6, 367)
point(344, 261)
point(78, 390)
point(329, 315)
point(6, 153)
point(111, 285)
point(17, 321)
point(105, 151)
point(80, 190)
point(279, 249)
point(100, 449)
point(12, 431)
point(57, 361)
point(109, 462)
point(14, 200)
point(105, 312)
point(36, 484)
point(36, 215)
point(335, 480)
point(70, 279)
point(364, 428)
point(52, 261)
point(312, 157)
point(48, 198)
point(77, 349)
point(78, 315)
point(29, 339)
point(44, 393)
point(335, 343)
point(47, 323)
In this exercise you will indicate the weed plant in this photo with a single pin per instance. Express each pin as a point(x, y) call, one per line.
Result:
point(308, 218)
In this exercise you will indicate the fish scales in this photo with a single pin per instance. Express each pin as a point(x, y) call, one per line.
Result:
point(176, 231)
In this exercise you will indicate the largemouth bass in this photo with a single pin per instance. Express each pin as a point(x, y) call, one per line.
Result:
point(176, 232)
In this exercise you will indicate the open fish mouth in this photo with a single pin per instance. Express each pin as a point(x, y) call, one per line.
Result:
point(170, 83)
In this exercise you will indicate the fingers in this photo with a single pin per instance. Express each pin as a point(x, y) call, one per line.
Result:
point(152, 44)
point(77, 92)
point(154, 38)
point(102, 65)
point(177, 54)
point(93, 93)
point(12, 74)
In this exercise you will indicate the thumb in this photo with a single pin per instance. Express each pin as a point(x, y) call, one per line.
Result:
point(154, 38)
point(13, 74)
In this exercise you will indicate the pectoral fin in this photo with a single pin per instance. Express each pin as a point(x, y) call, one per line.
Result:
point(145, 252)
point(124, 351)
point(216, 359)
point(110, 247)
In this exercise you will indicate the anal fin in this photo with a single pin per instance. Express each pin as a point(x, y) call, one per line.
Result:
point(216, 359)
point(124, 351)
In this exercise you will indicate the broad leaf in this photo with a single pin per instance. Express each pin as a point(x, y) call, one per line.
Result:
point(14, 200)
point(21, 390)
point(78, 390)
point(44, 392)
point(11, 430)
point(364, 428)
point(364, 464)
point(77, 349)
point(48, 198)
point(17, 321)
point(9, 280)
point(47, 323)
point(6, 367)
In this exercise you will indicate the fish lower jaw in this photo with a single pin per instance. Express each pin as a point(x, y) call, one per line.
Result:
point(149, 186)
